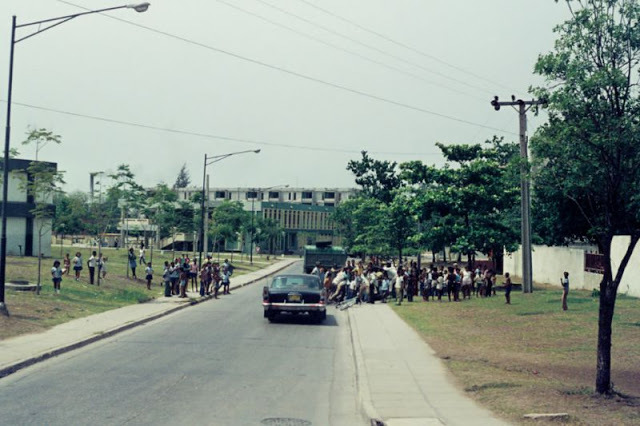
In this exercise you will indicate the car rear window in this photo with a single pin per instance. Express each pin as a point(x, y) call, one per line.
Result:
point(295, 283)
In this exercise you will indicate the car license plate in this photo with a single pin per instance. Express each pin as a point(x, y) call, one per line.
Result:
point(294, 298)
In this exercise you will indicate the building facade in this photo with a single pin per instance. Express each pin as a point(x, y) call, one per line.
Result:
point(22, 227)
point(304, 214)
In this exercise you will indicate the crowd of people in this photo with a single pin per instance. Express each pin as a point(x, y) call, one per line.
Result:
point(176, 275)
point(381, 280)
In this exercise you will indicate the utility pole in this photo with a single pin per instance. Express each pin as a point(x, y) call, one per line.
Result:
point(525, 197)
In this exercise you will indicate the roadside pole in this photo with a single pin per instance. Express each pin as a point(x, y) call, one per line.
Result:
point(525, 198)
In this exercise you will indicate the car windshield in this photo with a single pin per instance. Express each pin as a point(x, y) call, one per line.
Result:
point(296, 283)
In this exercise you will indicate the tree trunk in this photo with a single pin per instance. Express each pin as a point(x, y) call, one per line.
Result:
point(608, 291)
point(39, 261)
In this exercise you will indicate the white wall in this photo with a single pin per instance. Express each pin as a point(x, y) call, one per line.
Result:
point(549, 263)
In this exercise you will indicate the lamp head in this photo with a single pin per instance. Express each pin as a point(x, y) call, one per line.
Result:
point(257, 151)
point(139, 7)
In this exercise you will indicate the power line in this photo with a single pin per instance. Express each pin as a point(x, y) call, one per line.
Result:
point(401, 44)
point(350, 52)
point(297, 74)
point(213, 136)
point(368, 46)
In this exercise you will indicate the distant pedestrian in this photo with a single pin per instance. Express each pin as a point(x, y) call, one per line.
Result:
point(132, 263)
point(184, 277)
point(103, 266)
point(56, 276)
point(91, 263)
point(399, 286)
point(166, 277)
point(565, 290)
point(67, 264)
point(148, 275)
point(507, 288)
point(142, 259)
point(193, 275)
point(77, 264)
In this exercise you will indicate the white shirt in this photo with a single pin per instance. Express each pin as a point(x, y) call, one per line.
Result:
point(92, 262)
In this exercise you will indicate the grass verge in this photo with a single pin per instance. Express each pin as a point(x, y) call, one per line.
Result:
point(531, 357)
point(31, 313)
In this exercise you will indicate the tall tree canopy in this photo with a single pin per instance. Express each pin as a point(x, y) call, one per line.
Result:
point(588, 153)
point(183, 180)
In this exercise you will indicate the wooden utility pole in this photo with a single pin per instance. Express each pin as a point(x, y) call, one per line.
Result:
point(525, 198)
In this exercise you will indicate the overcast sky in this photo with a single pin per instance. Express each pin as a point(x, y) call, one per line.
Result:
point(310, 83)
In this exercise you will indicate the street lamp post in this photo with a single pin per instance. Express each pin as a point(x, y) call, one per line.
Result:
point(208, 160)
point(256, 190)
point(52, 22)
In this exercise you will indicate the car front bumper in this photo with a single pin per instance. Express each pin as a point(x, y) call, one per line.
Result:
point(294, 307)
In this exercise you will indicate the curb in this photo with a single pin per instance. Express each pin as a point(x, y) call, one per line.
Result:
point(362, 383)
point(10, 369)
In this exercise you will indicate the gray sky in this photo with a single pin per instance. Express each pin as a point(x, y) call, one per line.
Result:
point(310, 98)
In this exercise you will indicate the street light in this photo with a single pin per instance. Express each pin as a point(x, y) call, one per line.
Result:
point(207, 161)
point(256, 190)
point(53, 22)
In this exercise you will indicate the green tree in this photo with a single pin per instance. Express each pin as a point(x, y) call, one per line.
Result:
point(229, 219)
point(378, 179)
point(266, 232)
point(183, 180)
point(42, 183)
point(588, 153)
point(469, 204)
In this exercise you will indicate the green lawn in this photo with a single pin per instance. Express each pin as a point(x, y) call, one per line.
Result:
point(533, 357)
point(32, 313)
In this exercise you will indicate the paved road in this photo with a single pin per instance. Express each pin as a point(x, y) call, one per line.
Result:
point(218, 363)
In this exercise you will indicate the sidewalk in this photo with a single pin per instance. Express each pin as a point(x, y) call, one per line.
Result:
point(400, 379)
point(22, 351)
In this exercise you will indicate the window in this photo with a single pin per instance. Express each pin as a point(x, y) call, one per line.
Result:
point(329, 195)
point(221, 194)
point(273, 194)
point(329, 204)
point(295, 196)
point(307, 194)
point(252, 195)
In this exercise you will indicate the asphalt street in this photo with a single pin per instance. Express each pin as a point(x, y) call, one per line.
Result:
point(217, 363)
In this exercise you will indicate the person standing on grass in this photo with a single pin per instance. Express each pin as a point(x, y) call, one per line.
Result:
point(132, 263)
point(166, 277)
point(67, 264)
point(91, 263)
point(148, 275)
point(142, 259)
point(77, 264)
point(399, 285)
point(56, 276)
point(565, 290)
point(507, 288)
point(103, 266)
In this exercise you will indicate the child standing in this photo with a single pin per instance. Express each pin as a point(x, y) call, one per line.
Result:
point(77, 264)
point(507, 288)
point(148, 275)
point(565, 290)
point(56, 276)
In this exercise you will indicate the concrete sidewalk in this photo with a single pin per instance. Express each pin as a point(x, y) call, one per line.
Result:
point(401, 381)
point(22, 351)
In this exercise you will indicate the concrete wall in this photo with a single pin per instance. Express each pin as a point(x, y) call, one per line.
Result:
point(550, 262)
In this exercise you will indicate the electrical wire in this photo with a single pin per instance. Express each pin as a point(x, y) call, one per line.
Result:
point(213, 136)
point(350, 52)
point(376, 49)
point(404, 45)
point(297, 74)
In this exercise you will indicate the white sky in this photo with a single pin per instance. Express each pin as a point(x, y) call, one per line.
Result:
point(106, 68)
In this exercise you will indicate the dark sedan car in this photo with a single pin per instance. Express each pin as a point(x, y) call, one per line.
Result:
point(294, 294)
